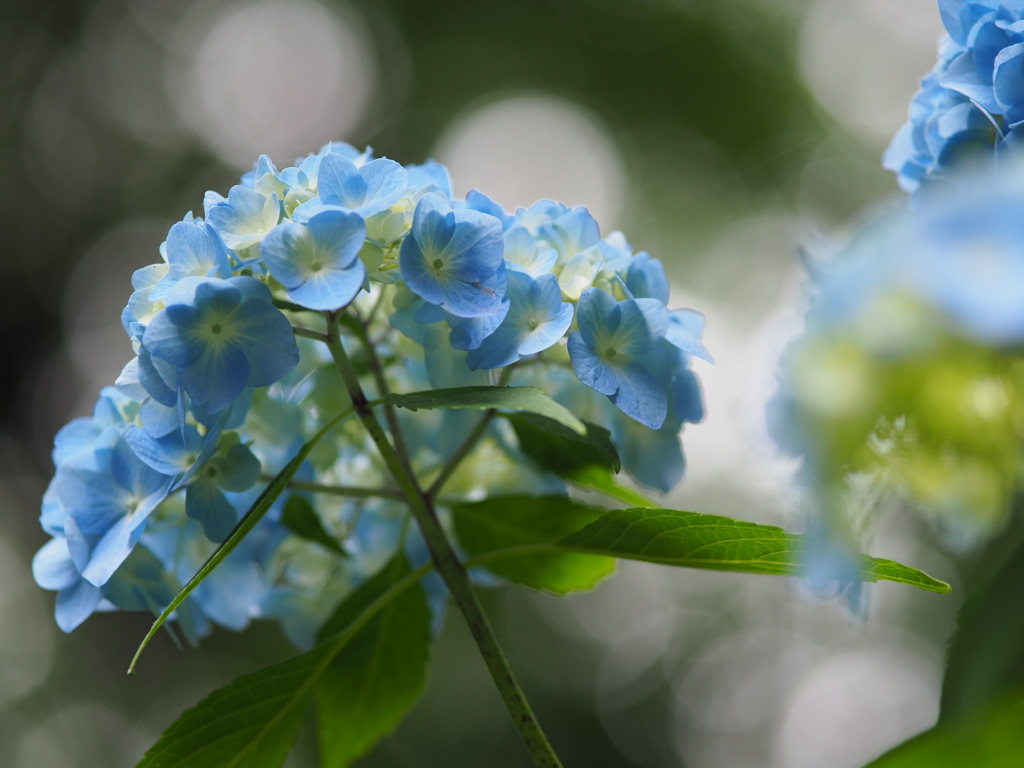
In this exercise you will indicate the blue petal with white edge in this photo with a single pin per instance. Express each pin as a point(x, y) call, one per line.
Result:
point(245, 217)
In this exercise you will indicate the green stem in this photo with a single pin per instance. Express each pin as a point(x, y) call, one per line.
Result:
point(351, 492)
point(309, 333)
point(448, 566)
point(390, 413)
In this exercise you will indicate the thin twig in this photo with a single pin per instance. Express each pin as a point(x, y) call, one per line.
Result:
point(470, 442)
point(461, 452)
point(310, 333)
point(390, 413)
point(351, 492)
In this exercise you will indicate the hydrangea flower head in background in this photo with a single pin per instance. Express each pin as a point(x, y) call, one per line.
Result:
point(908, 380)
point(971, 105)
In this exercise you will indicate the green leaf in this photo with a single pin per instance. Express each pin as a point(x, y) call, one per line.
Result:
point(992, 739)
point(252, 722)
point(521, 521)
point(595, 478)
point(693, 540)
point(364, 692)
point(663, 536)
point(561, 450)
point(255, 513)
point(986, 655)
point(529, 399)
point(301, 519)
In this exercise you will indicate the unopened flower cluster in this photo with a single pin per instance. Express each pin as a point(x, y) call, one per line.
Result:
point(972, 103)
point(222, 392)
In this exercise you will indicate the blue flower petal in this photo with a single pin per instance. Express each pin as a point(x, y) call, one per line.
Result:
point(52, 566)
point(205, 502)
point(76, 603)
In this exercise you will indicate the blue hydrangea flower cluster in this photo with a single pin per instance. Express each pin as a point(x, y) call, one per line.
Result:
point(972, 102)
point(222, 391)
point(908, 380)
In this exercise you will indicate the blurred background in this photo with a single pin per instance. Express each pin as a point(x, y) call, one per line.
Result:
point(720, 137)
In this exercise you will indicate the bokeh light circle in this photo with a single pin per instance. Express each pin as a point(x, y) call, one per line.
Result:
point(278, 77)
point(526, 147)
point(856, 706)
point(863, 59)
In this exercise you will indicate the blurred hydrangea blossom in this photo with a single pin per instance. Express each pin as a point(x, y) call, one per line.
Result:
point(972, 103)
point(222, 392)
point(908, 378)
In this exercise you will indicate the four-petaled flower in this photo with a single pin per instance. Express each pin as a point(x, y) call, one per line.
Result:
point(318, 262)
point(453, 258)
point(612, 353)
point(537, 319)
point(222, 336)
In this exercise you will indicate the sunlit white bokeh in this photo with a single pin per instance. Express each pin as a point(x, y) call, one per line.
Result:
point(523, 148)
point(751, 312)
point(278, 77)
point(858, 705)
point(863, 59)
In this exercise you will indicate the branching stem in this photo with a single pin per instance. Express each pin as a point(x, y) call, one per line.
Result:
point(390, 414)
point(448, 566)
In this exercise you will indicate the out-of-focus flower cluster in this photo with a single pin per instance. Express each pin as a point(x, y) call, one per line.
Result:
point(222, 393)
point(909, 375)
point(973, 101)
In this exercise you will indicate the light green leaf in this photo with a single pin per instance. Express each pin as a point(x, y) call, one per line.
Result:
point(364, 692)
point(595, 478)
point(993, 739)
point(528, 399)
point(561, 450)
point(521, 521)
point(693, 540)
point(255, 513)
point(252, 722)
point(301, 519)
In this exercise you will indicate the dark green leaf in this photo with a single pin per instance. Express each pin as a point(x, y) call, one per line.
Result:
point(255, 513)
point(993, 738)
point(986, 655)
point(561, 450)
point(364, 692)
point(693, 540)
point(528, 399)
point(252, 722)
point(301, 519)
point(517, 521)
